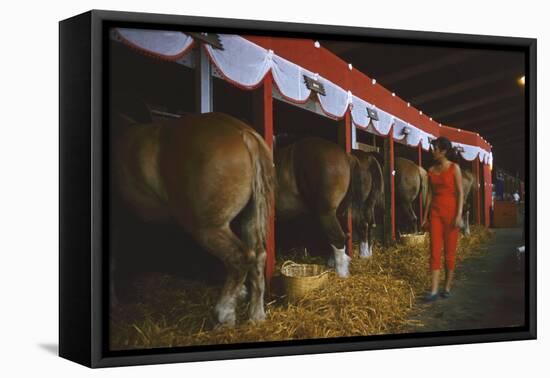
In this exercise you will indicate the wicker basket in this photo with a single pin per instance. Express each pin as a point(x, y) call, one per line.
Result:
point(300, 279)
point(413, 239)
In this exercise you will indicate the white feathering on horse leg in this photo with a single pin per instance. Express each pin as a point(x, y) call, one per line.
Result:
point(241, 294)
point(226, 311)
point(342, 261)
point(257, 311)
point(364, 251)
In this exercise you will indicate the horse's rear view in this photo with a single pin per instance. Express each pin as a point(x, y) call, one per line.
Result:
point(315, 176)
point(411, 180)
point(203, 171)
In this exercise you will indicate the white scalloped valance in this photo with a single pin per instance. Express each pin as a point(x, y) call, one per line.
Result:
point(469, 153)
point(289, 79)
point(165, 44)
point(245, 64)
point(241, 61)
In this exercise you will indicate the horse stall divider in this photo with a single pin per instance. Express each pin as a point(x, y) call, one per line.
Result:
point(487, 194)
point(421, 195)
point(476, 194)
point(263, 119)
point(389, 195)
point(345, 140)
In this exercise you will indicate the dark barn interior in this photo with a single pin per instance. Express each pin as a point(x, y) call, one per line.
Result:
point(472, 89)
point(142, 247)
point(466, 88)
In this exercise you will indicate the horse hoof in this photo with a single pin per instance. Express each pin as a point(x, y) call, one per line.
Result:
point(258, 316)
point(342, 269)
point(342, 273)
point(364, 250)
point(342, 262)
point(226, 316)
point(227, 321)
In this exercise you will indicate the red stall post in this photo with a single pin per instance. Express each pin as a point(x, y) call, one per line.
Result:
point(488, 193)
point(477, 191)
point(420, 203)
point(389, 183)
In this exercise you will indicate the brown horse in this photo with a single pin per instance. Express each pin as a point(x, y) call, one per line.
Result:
point(315, 176)
point(371, 195)
point(411, 180)
point(202, 171)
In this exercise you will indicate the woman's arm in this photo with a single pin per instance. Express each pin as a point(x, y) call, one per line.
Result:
point(428, 205)
point(459, 196)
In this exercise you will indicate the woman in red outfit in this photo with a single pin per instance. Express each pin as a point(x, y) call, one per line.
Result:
point(443, 213)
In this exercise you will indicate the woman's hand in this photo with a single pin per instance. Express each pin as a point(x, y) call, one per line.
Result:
point(458, 221)
point(425, 223)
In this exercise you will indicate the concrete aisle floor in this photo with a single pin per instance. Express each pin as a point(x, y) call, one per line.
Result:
point(488, 291)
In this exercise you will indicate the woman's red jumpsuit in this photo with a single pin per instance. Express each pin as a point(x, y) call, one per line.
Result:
point(443, 211)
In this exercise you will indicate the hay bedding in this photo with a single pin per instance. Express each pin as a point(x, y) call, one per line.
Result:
point(377, 298)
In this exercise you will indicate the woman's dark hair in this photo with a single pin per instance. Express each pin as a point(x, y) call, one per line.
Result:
point(444, 144)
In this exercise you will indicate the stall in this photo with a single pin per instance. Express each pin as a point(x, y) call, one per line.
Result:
point(303, 73)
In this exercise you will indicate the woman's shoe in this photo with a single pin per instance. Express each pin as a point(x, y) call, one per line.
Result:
point(430, 297)
point(445, 294)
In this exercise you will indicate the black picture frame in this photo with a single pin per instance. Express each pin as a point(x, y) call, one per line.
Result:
point(83, 196)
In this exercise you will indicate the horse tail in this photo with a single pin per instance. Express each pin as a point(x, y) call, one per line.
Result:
point(263, 189)
point(376, 156)
point(354, 195)
point(377, 191)
point(468, 177)
point(423, 185)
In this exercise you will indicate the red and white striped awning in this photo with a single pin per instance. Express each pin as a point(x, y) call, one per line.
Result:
point(245, 64)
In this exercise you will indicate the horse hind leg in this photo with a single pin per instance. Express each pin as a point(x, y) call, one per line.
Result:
point(366, 250)
point(257, 281)
point(370, 238)
point(360, 227)
point(371, 227)
point(337, 237)
point(250, 237)
point(365, 247)
point(467, 223)
point(412, 218)
point(224, 244)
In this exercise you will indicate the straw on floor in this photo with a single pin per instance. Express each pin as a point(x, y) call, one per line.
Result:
point(377, 298)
